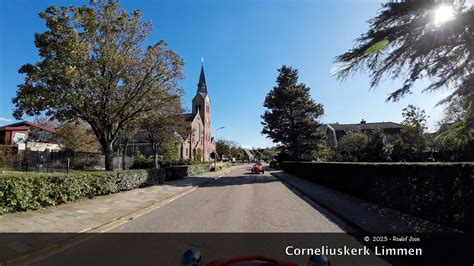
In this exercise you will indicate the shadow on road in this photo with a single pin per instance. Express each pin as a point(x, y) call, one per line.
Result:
point(237, 179)
point(241, 180)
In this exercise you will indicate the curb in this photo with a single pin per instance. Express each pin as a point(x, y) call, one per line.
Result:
point(80, 237)
point(343, 218)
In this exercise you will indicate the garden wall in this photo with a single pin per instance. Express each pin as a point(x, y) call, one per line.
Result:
point(439, 192)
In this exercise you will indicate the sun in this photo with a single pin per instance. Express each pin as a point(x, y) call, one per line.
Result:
point(443, 13)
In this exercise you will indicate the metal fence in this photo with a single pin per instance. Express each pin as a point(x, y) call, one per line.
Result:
point(59, 161)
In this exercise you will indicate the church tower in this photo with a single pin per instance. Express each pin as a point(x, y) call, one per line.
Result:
point(202, 105)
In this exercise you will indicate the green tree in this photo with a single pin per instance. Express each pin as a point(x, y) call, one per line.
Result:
point(405, 37)
point(352, 147)
point(292, 116)
point(95, 67)
point(164, 124)
point(420, 39)
point(198, 155)
point(76, 137)
point(171, 151)
point(127, 132)
point(456, 130)
point(412, 141)
point(269, 153)
point(222, 147)
point(378, 147)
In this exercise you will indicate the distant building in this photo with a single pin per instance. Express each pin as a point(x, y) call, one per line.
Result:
point(28, 135)
point(200, 139)
point(248, 155)
point(336, 131)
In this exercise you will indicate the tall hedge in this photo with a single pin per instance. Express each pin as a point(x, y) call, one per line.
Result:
point(439, 192)
point(24, 191)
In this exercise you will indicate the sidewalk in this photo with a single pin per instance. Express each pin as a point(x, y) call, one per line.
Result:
point(99, 214)
point(361, 215)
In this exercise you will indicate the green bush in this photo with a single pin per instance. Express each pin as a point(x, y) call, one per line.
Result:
point(24, 191)
point(180, 171)
point(142, 162)
point(439, 192)
point(221, 166)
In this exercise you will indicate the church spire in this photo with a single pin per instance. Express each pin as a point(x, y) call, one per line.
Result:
point(202, 87)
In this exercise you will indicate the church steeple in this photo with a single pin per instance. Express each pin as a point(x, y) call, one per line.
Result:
point(202, 87)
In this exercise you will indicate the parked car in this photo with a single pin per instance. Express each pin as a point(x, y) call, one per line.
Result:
point(258, 168)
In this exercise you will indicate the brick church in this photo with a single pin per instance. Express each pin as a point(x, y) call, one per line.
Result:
point(200, 143)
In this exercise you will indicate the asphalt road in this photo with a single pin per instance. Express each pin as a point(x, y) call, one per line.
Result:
point(238, 202)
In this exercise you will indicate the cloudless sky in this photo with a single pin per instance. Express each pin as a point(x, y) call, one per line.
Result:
point(243, 44)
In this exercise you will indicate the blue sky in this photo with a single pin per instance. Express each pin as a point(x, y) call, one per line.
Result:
point(243, 44)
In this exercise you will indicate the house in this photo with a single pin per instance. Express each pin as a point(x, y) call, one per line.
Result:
point(28, 135)
point(248, 155)
point(336, 131)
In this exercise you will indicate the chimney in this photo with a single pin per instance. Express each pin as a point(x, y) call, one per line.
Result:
point(362, 121)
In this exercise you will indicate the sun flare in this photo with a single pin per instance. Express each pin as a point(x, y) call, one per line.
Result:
point(443, 13)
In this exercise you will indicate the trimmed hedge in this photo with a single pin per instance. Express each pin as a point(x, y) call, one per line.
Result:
point(222, 166)
point(24, 191)
point(179, 171)
point(438, 192)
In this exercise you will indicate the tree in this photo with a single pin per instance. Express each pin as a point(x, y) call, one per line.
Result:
point(46, 121)
point(171, 150)
point(123, 139)
point(292, 116)
point(422, 39)
point(198, 155)
point(408, 37)
point(413, 129)
point(378, 148)
point(352, 147)
point(227, 148)
point(76, 137)
point(164, 124)
point(94, 67)
point(412, 139)
point(456, 130)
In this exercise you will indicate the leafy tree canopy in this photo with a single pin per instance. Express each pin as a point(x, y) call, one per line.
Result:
point(163, 126)
point(94, 66)
point(407, 39)
point(352, 147)
point(76, 137)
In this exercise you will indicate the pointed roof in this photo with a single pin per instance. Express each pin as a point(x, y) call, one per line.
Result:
point(202, 87)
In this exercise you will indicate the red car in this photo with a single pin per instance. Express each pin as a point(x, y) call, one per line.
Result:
point(258, 168)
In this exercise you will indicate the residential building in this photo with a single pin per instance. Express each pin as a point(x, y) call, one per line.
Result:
point(28, 135)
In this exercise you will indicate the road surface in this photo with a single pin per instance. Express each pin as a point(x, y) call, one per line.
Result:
point(237, 202)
